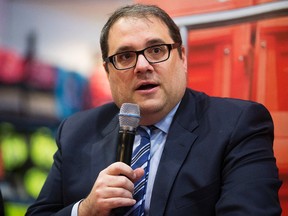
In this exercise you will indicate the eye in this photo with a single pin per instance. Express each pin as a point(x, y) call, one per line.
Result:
point(124, 56)
point(125, 59)
point(156, 50)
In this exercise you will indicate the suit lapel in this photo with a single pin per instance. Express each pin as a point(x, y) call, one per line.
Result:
point(173, 156)
point(180, 139)
point(104, 148)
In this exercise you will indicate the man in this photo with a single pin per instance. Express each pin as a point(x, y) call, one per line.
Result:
point(209, 156)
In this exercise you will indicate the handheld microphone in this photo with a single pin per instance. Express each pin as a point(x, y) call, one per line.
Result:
point(129, 118)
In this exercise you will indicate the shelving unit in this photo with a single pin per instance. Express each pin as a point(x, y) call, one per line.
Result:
point(30, 114)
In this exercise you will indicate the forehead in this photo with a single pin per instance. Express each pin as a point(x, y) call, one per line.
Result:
point(136, 32)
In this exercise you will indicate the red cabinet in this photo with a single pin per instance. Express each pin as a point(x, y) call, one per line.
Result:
point(248, 61)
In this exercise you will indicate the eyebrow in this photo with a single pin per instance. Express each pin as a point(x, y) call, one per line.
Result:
point(155, 42)
point(148, 43)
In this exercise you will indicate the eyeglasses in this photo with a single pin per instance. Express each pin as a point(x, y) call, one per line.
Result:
point(153, 54)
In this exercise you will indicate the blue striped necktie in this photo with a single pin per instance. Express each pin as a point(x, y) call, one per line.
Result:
point(140, 158)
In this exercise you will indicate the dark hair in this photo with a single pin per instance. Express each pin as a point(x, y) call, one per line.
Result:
point(138, 11)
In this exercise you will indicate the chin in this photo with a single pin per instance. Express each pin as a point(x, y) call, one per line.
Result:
point(150, 108)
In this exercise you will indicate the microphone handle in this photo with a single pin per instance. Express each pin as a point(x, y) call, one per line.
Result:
point(124, 153)
point(125, 145)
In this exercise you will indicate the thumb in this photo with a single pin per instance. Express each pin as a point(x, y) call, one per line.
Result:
point(139, 172)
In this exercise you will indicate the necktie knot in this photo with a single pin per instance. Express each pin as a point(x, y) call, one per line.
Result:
point(144, 133)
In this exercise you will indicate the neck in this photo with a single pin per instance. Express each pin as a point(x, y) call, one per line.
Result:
point(150, 119)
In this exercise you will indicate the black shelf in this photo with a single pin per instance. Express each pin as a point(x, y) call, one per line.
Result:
point(29, 123)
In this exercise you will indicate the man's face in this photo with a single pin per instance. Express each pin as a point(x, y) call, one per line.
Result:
point(156, 88)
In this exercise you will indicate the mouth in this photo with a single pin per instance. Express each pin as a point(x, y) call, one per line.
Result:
point(146, 86)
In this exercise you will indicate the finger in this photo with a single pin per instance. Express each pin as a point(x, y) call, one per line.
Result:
point(113, 203)
point(120, 168)
point(120, 181)
point(114, 192)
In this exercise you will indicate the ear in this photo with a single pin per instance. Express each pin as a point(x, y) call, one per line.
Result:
point(183, 51)
point(184, 57)
point(105, 65)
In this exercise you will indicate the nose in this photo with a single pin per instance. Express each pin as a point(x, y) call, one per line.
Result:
point(142, 64)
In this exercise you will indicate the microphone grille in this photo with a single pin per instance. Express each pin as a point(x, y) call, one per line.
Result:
point(129, 115)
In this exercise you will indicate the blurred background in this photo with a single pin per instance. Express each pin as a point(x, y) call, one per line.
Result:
point(51, 67)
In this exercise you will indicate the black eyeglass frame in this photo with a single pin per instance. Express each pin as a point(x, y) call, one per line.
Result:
point(169, 46)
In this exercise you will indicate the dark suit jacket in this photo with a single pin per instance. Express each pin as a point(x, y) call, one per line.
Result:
point(217, 160)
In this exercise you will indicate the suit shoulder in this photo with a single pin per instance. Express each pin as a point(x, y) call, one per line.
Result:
point(223, 106)
point(102, 115)
point(233, 109)
point(236, 104)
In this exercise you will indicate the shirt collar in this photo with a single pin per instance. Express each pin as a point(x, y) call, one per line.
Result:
point(165, 123)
